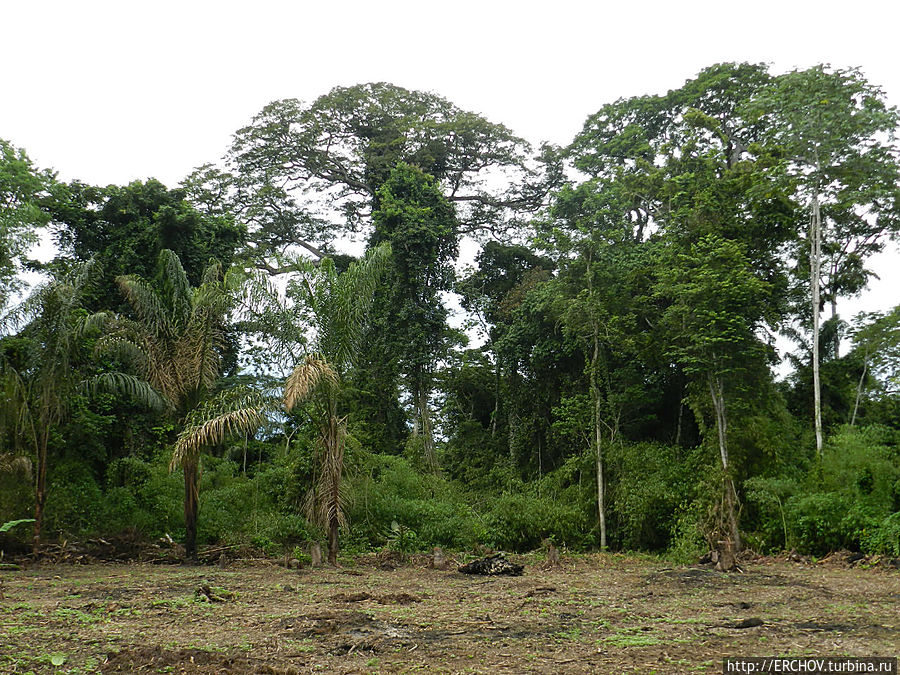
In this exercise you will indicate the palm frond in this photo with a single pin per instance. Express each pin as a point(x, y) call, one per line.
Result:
point(123, 348)
point(94, 323)
point(133, 387)
point(350, 301)
point(147, 305)
point(234, 411)
point(175, 282)
point(313, 373)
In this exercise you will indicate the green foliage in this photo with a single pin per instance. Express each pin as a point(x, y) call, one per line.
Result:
point(848, 500)
point(520, 521)
point(649, 481)
point(126, 228)
point(7, 526)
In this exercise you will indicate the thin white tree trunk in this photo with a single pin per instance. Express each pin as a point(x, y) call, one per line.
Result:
point(859, 388)
point(815, 265)
point(598, 439)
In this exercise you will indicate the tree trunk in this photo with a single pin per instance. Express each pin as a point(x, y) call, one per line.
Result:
point(427, 430)
point(598, 439)
point(837, 336)
point(815, 264)
point(859, 388)
point(191, 506)
point(40, 487)
point(729, 497)
point(333, 527)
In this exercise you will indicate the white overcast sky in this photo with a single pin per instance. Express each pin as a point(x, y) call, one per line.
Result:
point(109, 92)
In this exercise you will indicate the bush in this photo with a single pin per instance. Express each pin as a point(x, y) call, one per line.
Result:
point(647, 483)
point(847, 498)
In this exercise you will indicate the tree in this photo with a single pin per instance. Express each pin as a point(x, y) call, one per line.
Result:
point(340, 305)
point(41, 388)
point(303, 175)
point(718, 305)
point(126, 228)
point(831, 140)
point(174, 345)
point(22, 190)
point(876, 341)
point(411, 325)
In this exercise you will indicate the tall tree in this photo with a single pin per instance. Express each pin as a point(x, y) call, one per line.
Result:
point(303, 175)
point(830, 135)
point(718, 305)
point(421, 227)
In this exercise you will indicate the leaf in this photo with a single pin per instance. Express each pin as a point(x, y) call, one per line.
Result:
point(6, 527)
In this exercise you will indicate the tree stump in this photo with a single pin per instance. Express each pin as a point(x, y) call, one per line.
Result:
point(438, 559)
point(726, 561)
point(315, 554)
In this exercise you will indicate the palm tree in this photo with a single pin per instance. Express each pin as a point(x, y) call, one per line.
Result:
point(174, 344)
point(36, 394)
point(340, 305)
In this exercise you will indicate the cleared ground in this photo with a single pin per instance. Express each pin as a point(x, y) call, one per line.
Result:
point(592, 614)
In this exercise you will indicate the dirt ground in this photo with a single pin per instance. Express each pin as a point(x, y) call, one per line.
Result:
point(591, 614)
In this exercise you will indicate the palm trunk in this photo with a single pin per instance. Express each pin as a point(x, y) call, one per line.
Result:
point(191, 506)
point(334, 469)
point(333, 528)
point(40, 481)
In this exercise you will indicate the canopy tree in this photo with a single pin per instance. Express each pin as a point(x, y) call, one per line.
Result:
point(304, 175)
point(830, 141)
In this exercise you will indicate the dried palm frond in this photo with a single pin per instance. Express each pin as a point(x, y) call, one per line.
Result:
point(15, 464)
point(231, 412)
point(314, 373)
point(327, 498)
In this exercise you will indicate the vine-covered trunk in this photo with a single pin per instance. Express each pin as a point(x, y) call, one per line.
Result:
point(729, 496)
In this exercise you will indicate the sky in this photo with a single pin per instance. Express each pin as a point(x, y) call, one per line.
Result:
point(113, 91)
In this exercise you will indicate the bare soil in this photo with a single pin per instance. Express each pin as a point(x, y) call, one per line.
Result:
point(590, 614)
